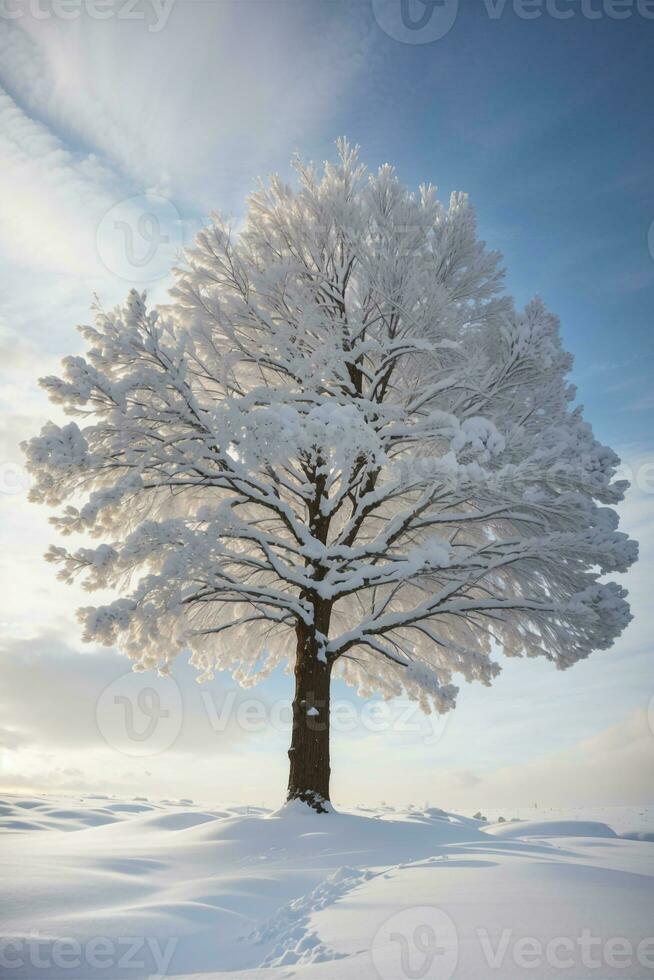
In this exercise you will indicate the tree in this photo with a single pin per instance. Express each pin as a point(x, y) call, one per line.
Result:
point(340, 447)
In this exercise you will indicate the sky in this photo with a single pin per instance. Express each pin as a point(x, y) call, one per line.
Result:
point(121, 127)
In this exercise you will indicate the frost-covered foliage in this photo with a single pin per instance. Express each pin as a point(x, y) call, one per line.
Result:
point(339, 422)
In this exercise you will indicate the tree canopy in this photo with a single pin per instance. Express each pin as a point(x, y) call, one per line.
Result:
point(341, 423)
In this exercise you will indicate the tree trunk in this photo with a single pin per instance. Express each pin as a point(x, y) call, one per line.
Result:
point(309, 752)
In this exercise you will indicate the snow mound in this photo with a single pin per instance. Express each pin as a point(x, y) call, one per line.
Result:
point(177, 821)
point(554, 828)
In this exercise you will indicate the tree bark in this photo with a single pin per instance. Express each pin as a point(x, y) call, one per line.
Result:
point(309, 752)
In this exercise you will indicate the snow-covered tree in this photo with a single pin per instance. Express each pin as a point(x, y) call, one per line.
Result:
point(339, 447)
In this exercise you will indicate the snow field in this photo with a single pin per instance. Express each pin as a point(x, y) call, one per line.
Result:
point(106, 888)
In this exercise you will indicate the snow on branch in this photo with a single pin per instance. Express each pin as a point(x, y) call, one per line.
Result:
point(340, 421)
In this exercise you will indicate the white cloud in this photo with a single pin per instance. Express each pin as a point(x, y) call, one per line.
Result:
point(51, 197)
point(613, 767)
point(610, 768)
point(221, 92)
point(57, 722)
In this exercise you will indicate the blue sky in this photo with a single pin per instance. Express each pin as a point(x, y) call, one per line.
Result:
point(547, 125)
point(545, 122)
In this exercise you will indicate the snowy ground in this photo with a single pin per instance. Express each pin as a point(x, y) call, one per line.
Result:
point(98, 887)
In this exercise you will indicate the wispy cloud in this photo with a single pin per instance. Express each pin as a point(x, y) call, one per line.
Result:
point(190, 106)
